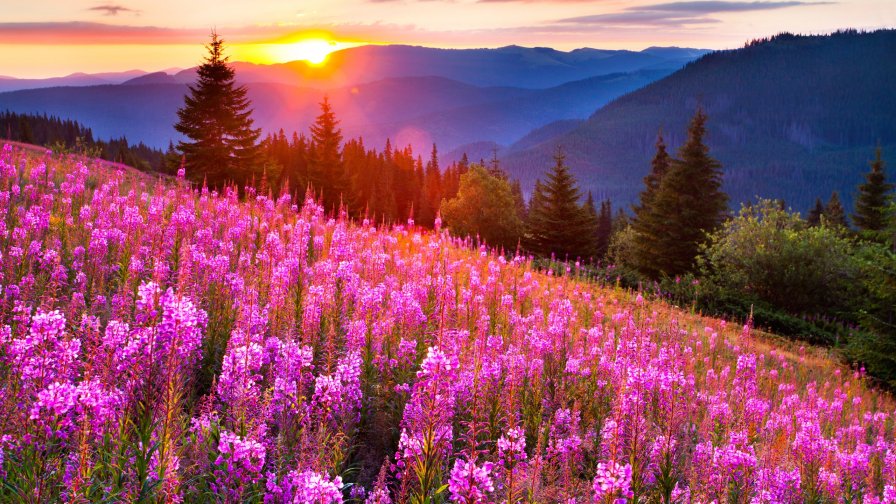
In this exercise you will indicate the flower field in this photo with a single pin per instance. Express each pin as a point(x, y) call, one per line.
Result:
point(159, 344)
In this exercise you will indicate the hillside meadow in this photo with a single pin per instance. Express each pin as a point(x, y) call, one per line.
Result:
point(160, 343)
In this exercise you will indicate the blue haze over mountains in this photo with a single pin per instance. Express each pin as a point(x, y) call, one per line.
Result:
point(412, 95)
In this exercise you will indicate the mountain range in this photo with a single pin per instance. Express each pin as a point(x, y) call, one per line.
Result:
point(411, 95)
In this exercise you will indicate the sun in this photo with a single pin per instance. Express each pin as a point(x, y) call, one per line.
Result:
point(310, 48)
point(314, 51)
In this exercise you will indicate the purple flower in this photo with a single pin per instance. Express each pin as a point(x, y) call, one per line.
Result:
point(470, 483)
point(244, 458)
point(310, 487)
point(612, 482)
point(512, 447)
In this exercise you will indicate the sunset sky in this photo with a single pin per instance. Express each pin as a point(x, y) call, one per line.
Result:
point(45, 38)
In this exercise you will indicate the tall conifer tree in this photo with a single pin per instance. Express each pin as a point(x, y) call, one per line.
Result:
point(688, 203)
point(326, 165)
point(604, 228)
point(558, 223)
point(221, 143)
point(648, 227)
point(814, 217)
point(873, 202)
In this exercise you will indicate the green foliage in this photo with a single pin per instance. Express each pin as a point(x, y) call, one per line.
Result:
point(216, 120)
point(876, 310)
point(872, 204)
point(483, 206)
point(557, 223)
point(771, 255)
point(679, 207)
point(834, 215)
point(621, 252)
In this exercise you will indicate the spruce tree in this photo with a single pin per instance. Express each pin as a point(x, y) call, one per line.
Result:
point(834, 214)
point(659, 166)
point(557, 223)
point(221, 142)
point(873, 201)
point(814, 217)
point(650, 228)
point(325, 164)
point(688, 204)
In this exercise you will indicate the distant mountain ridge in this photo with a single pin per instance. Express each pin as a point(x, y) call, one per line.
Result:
point(75, 79)
point(512, 66)
point(793, 117)
point(407, 110)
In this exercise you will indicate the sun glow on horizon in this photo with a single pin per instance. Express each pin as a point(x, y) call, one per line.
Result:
point(313, 50)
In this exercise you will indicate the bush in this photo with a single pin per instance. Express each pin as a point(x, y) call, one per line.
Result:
point(772, 256)
point(483, 207)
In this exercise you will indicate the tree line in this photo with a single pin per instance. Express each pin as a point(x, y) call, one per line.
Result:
point(68, 136)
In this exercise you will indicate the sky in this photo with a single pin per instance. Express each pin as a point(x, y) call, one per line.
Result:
point(44, 38)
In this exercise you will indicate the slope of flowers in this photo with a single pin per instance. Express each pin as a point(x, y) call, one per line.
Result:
point(164, 345)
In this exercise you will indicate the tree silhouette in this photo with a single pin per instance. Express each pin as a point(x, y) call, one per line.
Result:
point(215, 118)
point(327, 168)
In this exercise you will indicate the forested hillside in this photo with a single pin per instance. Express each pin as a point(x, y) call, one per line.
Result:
point(792, 117)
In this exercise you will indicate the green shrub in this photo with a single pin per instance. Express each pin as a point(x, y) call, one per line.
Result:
point(771, 255)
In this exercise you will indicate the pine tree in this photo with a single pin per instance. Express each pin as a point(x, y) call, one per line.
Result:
point(688, 204)
point(814, 217)
point(834, 214)
point(327, 170)
point(659, 166)
point(464, 164)
point(557, 223)
point(216, 120)
point(26, 136)
point(873, 201)
point(519, 201)
point(650, 228)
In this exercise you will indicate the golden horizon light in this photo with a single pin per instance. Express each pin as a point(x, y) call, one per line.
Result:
point(314, 51)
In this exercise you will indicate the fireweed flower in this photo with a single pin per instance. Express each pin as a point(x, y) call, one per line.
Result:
point(512, 447)
point(379, 495)
point(470, 483)
point(46, 353)
point(612, 483)
point(242, 458)
point(565, 438)
point(103, 273)
point(54, 410)
point(306, 487)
